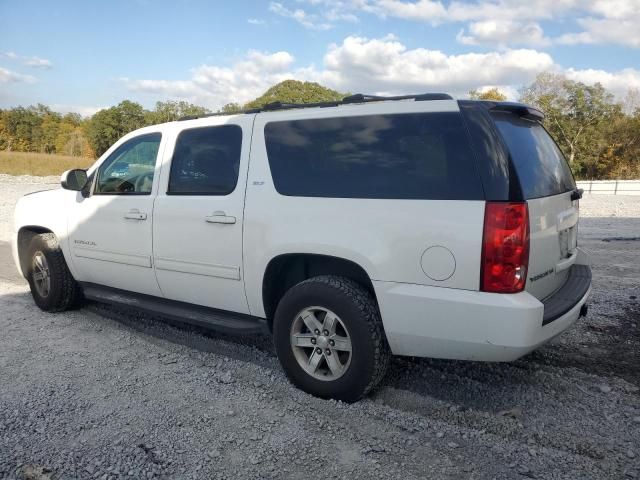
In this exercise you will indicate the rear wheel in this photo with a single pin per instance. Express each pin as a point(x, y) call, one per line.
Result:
point(52, 286)
point(329, 338)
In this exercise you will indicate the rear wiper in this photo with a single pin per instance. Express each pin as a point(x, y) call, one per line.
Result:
point(577, 194)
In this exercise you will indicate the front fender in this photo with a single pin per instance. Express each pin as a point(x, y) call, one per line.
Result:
point(43, 211)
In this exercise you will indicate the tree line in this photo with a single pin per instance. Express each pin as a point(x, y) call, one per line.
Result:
point(38, 129)
point(599, 135)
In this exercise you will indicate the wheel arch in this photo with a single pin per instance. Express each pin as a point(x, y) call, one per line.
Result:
point(24, 236)
point(286, 270)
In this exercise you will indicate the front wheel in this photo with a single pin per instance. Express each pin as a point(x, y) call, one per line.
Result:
point(52, 286)
point(329, 338)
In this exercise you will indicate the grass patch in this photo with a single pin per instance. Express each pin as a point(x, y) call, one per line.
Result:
point(39, 164)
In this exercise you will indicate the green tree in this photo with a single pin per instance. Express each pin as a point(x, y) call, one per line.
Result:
point(173, 110)
point(50, 127)
point(621, 157)
point(576, 115)
point(491, 94)
point(230, 108)
point(109, 124)
point(294, 91)
point(23, 128)
point(4, 135)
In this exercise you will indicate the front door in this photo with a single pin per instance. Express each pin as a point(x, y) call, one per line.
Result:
point(110, 230)
point(197, 219)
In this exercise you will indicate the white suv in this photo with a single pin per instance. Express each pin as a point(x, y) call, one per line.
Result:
point(351, 230)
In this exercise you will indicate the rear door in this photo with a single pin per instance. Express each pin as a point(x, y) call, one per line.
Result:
point(198, 214)
point(547, 184)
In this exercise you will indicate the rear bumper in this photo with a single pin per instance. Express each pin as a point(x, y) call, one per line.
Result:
point(577, 285)
point(440, 322)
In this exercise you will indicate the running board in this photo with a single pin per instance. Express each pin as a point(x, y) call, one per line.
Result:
point(219, 320)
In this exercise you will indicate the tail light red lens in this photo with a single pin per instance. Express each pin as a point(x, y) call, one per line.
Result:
point(505, 247)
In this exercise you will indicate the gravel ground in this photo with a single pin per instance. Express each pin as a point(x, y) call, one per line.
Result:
point(109, 393)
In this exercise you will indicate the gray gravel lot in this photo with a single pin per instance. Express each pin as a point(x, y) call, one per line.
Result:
point(104, 392)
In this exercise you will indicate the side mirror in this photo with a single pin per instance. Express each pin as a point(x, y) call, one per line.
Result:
point(74, 180)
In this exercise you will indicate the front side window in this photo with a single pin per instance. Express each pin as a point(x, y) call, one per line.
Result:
point(206, 161)
point(399, 156)
point(129, 170)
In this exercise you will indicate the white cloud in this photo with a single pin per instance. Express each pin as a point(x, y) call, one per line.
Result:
point(605, 30)
point(619, 82)
point(8, 76)
point(382, 66)
point(300, 16)
point(510, 91)
point(424, 10)
point(437, 11)
point(33, 61)
point(503, 33)
point(83, 110)
point(510, 9)
point(38, 62)
point(337, 10)
point(256, 21)
point(503, 23)
point(602, 21)
point(620, 9)
point(213, 86)
point(607, 21)
point(357, 65)
point(386, 65)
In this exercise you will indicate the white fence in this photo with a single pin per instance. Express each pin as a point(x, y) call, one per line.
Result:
point(611, 187)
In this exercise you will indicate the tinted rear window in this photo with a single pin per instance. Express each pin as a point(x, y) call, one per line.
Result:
point(539, 163)
point(402, 156)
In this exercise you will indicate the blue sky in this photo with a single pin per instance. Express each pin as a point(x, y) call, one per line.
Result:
point(83, 55)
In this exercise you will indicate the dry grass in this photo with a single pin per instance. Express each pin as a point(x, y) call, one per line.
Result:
point(39, 164)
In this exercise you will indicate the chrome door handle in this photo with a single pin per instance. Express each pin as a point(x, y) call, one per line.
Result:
point(220, 217)
point(135, 214)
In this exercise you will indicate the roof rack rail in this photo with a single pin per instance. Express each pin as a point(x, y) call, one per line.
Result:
point(363, 98)
point(355, 98)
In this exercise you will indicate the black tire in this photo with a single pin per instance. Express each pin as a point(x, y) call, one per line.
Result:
point(358, 310)
point(64, 292)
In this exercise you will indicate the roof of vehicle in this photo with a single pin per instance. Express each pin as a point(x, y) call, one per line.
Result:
point(359, 98)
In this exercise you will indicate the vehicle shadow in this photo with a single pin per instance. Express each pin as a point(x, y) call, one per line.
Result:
point(186, 334)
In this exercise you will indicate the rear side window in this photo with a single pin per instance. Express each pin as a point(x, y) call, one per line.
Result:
point(539, 163)
point(206, 161)
point(400, 156)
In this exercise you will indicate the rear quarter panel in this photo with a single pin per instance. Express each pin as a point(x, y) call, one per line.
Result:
point(387, 238)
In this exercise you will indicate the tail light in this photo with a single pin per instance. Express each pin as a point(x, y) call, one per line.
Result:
point(505, 247)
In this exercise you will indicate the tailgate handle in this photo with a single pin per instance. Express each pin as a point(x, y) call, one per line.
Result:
point(577, 194)
point(567, 262)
